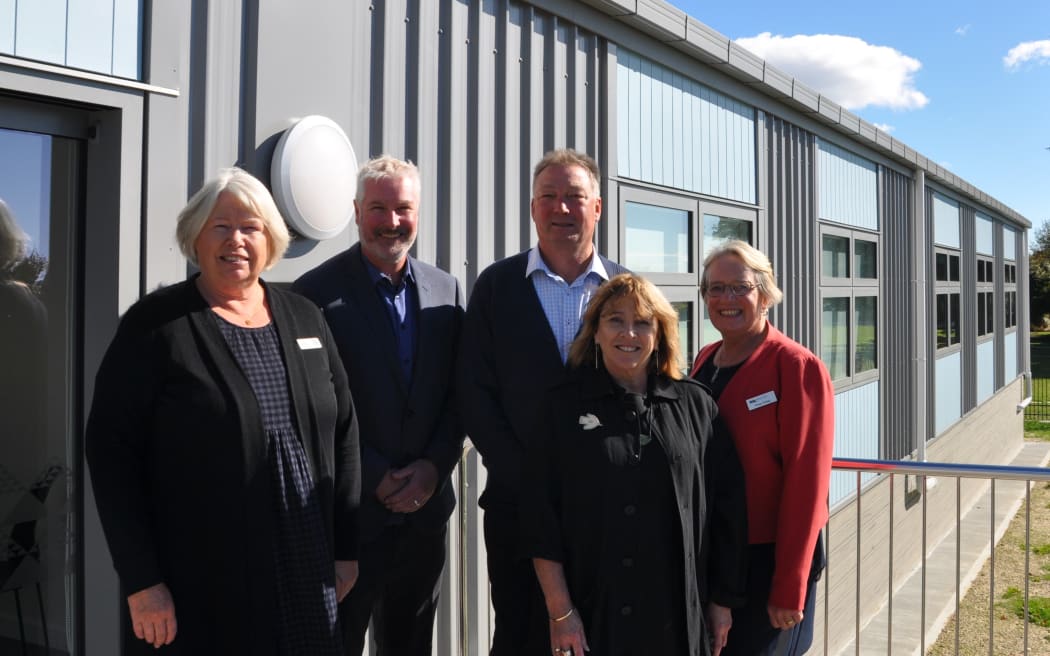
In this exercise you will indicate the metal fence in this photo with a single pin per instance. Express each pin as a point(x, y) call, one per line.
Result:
point(940, 585)
point(1039, 408)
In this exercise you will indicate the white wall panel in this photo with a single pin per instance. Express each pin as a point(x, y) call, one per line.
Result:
point(681, 134)
point(857, 422)
point(89, 36)
point(7, 27)
point(41, 30)
point(1009, 243)
point(848, 188)
point(985, 370)
point(947, 391)
point(945, 221)
point(1010, 356)
point(984, 236)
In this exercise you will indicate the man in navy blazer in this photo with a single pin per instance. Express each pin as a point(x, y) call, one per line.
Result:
point(396, 322)
point(523, 314)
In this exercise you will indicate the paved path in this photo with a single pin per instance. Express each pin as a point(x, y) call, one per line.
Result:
point(940, 571)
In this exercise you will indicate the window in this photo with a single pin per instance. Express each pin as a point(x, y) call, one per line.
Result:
point(849, 325)
point(946, 277)
point(665, 237)
point(1010, 295)
point(985, 297)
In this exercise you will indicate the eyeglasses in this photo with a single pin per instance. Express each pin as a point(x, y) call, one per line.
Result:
point(718, 290)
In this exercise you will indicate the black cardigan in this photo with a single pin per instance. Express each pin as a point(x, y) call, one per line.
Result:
point(178, 463)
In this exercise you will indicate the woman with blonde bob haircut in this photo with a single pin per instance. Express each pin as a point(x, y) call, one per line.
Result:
point(250, 193)
point(635, 519)
point(223, 448)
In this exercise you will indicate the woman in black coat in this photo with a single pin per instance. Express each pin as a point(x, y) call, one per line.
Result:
point(223, 448)
point(636, 520)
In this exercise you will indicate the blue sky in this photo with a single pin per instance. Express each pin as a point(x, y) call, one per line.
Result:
point(967, 83)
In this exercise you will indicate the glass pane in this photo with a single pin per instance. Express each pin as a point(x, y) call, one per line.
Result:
point(835, 256)
point(866, 309)
point(942, 266)
point(834, 337)
point(980, 271)
point(953, 325)
point(720, 229)
point(990, 271)
point(657, 239)
point(980, 314)
point(953, 268)
point(942, 320)
point(685, 334)
point(989, 313)
point(38, 442)
point(865, 261)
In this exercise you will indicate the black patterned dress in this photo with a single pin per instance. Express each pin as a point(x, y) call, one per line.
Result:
point(307, 619)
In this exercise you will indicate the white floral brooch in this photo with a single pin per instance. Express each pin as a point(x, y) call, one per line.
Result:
point(589, 421)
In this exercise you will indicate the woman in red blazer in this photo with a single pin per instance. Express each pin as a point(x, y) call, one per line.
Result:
point(777, 398)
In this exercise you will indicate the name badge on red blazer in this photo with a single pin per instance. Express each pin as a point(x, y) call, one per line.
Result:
point(756, 402)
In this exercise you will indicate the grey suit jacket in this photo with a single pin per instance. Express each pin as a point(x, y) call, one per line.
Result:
point(399, 423)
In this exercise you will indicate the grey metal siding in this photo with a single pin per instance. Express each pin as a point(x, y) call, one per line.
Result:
point(898, 349)
point(791, 229)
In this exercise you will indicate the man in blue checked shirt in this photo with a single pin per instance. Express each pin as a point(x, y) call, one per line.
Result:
point(523, 314)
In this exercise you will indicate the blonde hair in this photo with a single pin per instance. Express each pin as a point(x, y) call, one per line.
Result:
point(648, 301)
point(382, 168)
point(249, 192)
point(569, 157)
point(753, 259)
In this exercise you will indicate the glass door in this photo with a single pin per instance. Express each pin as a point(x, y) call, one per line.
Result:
point(41, 181)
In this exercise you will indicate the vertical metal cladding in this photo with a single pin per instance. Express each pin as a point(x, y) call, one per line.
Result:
point(791, 229)
point(898, 351)
point(968, 299)
point(475, 92)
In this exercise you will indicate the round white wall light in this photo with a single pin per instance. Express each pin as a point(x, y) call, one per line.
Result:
point(314, 177)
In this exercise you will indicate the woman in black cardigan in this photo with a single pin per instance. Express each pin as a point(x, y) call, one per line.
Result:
point(223, 448)
point(635, 516)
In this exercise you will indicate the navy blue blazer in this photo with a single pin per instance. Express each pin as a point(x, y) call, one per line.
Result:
point(508, 360)
point(399, 422)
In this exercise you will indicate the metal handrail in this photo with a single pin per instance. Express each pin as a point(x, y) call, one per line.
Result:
point(942, 469)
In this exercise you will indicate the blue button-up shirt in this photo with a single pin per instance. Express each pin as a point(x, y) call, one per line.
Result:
point(564, 303)
point(401, 306)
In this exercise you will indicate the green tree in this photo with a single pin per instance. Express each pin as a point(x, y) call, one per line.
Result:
point(1039, 276)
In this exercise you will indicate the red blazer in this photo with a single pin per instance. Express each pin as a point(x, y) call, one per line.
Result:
point(785, 447)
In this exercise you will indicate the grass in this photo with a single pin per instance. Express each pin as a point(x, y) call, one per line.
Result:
point(1038, 607)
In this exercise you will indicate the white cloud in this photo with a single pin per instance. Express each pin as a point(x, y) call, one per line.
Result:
point(962, 29)
point(885, 127)
point(1028, 51)
point(850, 71)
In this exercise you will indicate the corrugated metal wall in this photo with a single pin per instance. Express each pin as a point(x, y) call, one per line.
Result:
point(475, 93)
point(848, 187)
point(898, 351)
point(675, 132)
point(791, 228)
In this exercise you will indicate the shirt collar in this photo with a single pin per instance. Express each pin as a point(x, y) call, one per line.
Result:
point(536, 263)
point(375, 275)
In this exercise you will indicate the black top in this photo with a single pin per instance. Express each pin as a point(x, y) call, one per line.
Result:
point(179, 464)
point(645, 531)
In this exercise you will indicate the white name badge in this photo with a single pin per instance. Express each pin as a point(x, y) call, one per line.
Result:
point(308, 343)
point(756, 402)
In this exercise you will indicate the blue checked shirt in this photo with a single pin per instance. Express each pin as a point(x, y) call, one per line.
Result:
point(564, 304)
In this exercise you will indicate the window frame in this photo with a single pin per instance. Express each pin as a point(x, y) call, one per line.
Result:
point(851, 287)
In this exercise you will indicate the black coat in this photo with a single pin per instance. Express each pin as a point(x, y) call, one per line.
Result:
point(178, 463)
point(566, 513)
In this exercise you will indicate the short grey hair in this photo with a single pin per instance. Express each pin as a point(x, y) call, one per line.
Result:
point(753, 259)
point(12, 239)
point(569, 157)
point(384, 167)
point(251, 193)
